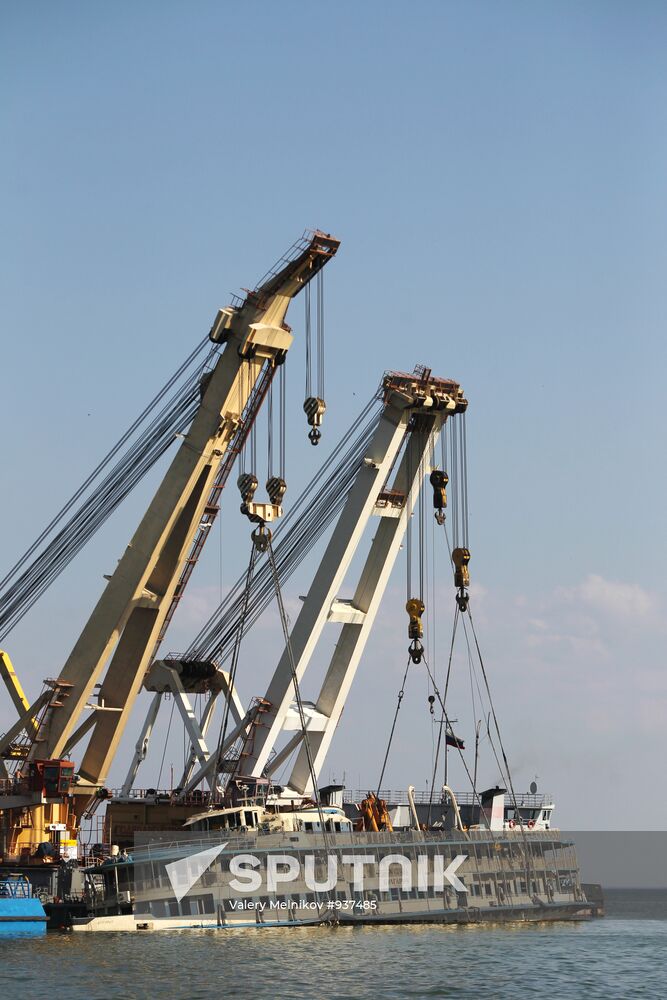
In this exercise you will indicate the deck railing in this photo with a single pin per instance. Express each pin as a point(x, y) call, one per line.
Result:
point(395, 797)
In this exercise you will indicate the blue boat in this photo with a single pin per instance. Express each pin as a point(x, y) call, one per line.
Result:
point(18, 905)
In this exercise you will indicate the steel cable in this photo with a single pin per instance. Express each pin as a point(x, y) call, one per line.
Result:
point(59, 547)
point(313, 512)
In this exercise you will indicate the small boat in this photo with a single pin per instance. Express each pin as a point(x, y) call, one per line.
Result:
point(18, 904)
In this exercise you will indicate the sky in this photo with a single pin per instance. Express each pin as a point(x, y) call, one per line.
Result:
point(496, 174)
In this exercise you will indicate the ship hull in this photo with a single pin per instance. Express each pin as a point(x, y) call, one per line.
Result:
point(506, 878)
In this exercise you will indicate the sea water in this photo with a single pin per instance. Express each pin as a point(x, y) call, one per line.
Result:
point(622, 955)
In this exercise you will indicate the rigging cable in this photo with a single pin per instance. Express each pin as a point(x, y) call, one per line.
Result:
point(302, 526)
point(314, 405)
point(231, 683)
point(105, 461)
point(466, 608)
point(493, 711)
point(295, 681)
point(22, 591)
point(401, 693)
point(166, 741)
point(320, 334)
point(282, 390)
point(269, 432)
point(503, 774)
point(464, 479)
point(309, 341)
point(415, 605)
point(451, 732)
point(443, 718)
point(276, 486)
point(527, 854)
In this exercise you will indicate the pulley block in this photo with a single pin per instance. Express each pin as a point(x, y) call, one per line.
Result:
point(415, 608)
point(462, 598)
point(276, 488)
point(439, 480)
point(260, 513)
point(261, 537)
point(314, 408)
point(247, 484)
point(416, 651)
point(461, 558)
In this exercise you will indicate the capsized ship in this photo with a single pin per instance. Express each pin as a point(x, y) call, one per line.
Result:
point(264, 866)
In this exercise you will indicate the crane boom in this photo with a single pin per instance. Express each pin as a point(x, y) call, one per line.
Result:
point(117, 643)
point(386, 487)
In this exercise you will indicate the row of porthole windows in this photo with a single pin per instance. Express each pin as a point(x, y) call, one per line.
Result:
point(196, 905)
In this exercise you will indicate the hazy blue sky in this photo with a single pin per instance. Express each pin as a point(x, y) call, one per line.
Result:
point(496, 172)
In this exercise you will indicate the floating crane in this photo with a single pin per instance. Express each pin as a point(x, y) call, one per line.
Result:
point(388, 483)
point(389, 468)
point(99, 683)
point(377, 481)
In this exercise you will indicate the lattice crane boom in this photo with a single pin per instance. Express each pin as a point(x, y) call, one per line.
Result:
point(386, 486)
point(117, 643)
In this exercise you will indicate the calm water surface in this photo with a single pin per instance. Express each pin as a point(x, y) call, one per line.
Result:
point(623, 955)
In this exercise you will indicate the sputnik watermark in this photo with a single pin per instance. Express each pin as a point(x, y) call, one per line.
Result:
point(250, 874)
point(184, 874)
point(285, 868)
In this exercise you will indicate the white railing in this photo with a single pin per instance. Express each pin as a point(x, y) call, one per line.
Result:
point(395, 797)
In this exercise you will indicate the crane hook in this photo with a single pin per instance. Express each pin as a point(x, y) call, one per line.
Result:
point(261, 537)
